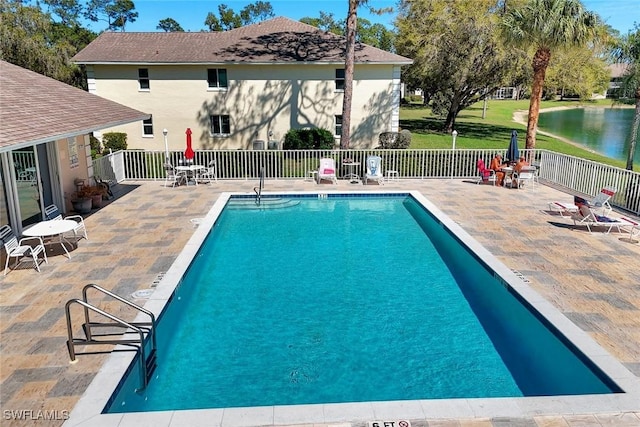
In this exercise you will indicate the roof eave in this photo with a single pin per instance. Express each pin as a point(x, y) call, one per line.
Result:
point(409, 62)
point(55, 137)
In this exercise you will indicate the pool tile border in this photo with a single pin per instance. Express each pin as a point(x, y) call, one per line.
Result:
point(87, 411)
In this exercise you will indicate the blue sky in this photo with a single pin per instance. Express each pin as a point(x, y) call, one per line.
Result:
point(191, 14)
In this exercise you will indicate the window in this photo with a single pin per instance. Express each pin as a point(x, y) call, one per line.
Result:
point(143, 78)
point(340, 79)
point(220, 125)
point(339, 125)
point(217, 77)
point(147, 127)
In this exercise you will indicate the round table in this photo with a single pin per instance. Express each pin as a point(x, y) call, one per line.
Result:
point(54, 227)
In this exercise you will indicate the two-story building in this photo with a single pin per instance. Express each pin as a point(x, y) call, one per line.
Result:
point(237, 87)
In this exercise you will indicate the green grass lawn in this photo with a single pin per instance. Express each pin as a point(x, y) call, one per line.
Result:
point(492, 132)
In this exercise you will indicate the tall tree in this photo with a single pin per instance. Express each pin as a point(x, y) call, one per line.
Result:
point(169, 25)
point(116, 13)
point(627, 51)
point(228, 19)
point(546, 25)
point(29, 38)
point(458, 56)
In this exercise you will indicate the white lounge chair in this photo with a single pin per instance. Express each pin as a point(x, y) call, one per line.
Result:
point(52, 212)
point(327, 171)
point(374, 170)
point(586, 216)
point(600, 203)
point(21, 249)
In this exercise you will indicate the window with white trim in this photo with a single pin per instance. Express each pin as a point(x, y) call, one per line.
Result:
point(339, 78)
point(220, 125)
point(147, 127)
point(217, 78)
point(338, 125)
point(143, 79)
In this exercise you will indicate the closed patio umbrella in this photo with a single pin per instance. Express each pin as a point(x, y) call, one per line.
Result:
point(189, 153)
point(512, 152)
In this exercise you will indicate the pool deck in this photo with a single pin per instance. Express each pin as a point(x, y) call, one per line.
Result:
point(591, 278)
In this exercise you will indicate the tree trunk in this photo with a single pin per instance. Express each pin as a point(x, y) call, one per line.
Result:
point(634, 131)
point(540, 64)
point(352, 20)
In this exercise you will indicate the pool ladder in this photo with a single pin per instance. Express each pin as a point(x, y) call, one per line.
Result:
point(138, 335)
point(258, 189)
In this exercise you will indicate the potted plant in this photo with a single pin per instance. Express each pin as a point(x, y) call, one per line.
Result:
point(81, 201)
point(96, 193)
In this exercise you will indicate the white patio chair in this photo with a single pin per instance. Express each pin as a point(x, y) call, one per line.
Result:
point(211, 172)
point(327, 170)
point(21, 249)
point(173, 176)
point(52, 212)
point(527, 175)
point(374, 170)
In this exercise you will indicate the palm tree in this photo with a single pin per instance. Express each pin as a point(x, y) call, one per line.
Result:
point(546, 25)
point(627, 51)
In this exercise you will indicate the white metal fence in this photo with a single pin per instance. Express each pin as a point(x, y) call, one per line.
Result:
point(575, 175)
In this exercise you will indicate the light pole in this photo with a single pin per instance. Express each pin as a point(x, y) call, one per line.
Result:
point(454, 134)
point(165, 132)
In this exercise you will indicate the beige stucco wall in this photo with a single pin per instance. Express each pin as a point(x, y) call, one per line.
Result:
point(68, 174)
point(259, 99)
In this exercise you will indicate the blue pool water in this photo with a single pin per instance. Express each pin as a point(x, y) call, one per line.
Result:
point(346, 299)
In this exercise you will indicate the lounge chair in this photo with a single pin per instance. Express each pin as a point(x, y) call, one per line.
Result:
point(327, 171)
point(586, 216)
point(21, 249)
point(600, 203)
point(374, 170)
point(52, 212)
point(486, 175)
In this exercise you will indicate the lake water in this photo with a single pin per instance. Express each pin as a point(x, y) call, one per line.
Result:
point(604, 130)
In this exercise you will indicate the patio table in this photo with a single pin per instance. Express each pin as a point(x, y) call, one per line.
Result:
point(54, 227)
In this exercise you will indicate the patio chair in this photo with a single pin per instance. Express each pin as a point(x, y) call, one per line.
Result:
point(327, 171)
point(526, 175)
point(21, 249)
point(210, 172)
point(486, 175)
point(52, 212)
point(374, 170)
point(173, 176)
point(600, 203)
point(586, 216)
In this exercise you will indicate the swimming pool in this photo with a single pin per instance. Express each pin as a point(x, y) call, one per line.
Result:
point(437, 227)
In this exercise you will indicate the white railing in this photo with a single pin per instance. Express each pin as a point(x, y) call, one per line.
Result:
point(575, 175)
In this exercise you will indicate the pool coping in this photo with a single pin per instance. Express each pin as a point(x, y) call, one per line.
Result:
point(88, 409)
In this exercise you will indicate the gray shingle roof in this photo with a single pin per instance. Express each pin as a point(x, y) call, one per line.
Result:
point(35, 108)
point(278, 40)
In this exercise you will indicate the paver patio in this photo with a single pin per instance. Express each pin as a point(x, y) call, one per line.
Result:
point(594, 279)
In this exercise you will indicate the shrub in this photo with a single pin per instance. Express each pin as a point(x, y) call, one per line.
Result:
point(308, 139)
point(395, 140)
point(115, 141)
point(404, 140)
